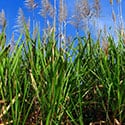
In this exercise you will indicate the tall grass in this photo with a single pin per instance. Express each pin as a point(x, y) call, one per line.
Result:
point(40, 84)
point(81, 84)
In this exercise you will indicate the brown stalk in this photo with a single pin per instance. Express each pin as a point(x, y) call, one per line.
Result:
point(62, 11)
point(111, 2)
point(97, 7)
point(62, 18)
point(113, 16)
point(105, 46)
point(2, 18)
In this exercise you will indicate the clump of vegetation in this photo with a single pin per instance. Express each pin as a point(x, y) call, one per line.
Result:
point(46, 81)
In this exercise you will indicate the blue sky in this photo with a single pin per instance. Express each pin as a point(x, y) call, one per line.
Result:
point(11, 10)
